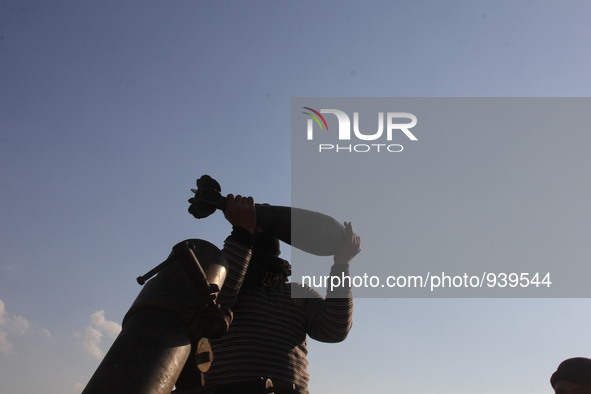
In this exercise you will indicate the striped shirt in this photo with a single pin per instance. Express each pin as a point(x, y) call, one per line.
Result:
point(267, 337)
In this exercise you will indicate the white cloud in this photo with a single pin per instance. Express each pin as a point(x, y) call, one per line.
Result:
point(110, 328)
point(19, 325)
point(15, 325)
point(44, 332)
point(91, 340)
point(2, 313)
point(99, 326)
point(5, 345)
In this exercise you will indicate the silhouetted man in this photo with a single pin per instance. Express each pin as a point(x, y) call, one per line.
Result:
point(573, 376)
point(267, 337)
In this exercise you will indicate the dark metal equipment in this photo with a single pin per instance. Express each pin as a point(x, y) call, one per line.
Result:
point(310, 231)
point(162, 341)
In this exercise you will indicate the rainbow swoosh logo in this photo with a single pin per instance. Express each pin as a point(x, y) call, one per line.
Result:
point(317, 117)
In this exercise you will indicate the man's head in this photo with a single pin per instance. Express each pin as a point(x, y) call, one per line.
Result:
point(265, 244)
point(266, 268)
point(573, 376)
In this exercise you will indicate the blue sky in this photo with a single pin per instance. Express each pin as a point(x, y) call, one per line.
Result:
point(110, 111)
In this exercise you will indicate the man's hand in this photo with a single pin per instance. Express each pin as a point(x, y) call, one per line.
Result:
point(240, 212)
point(351, 247)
